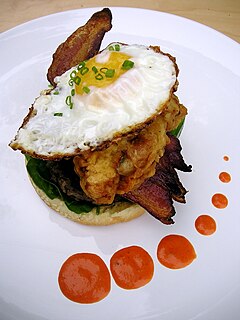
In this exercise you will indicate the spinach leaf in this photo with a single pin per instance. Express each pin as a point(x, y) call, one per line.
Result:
point(40, 175)
point(177, 131)
point(78, 206)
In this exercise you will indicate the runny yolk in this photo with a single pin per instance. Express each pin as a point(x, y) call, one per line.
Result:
point(205, 225)
point(175, 252)
point(219, 201)
point(131, 267)
point(84, 278)
point(103, 74)
point(225, 177)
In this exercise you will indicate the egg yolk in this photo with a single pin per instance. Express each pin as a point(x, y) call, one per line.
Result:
point(93, 73)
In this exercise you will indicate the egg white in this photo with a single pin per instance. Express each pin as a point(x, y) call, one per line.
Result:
point(57, 129)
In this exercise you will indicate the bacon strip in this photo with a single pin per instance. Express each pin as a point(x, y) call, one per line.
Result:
point(83, 44)
point(155, 199)
point(173, 151)
point(156, 194)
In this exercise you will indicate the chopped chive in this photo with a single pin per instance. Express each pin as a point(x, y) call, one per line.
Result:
point(104, 70)
point(58, 114)
point(117, 47)
point(86, 89)
point(56, 93)
point(99, 76)
point(72, 92)
point(73, 74)
point(127, 64)
point(70, 82)
point(50, 86)
point(69, 102)
point(81, 65)
point(77, 80)
point(110, 73)
point(84, 70)
point(74, 78)
point(94, 69)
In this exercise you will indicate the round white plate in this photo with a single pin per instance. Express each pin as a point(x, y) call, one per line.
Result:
point(35, 241)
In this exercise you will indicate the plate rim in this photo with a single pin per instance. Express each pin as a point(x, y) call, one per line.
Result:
point(93, 8)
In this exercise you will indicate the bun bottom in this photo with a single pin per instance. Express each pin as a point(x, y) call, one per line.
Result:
point(119, 212)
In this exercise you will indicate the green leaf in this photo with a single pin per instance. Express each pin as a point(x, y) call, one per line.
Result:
point(78, 206)
point(177, 131)
point(40, 175)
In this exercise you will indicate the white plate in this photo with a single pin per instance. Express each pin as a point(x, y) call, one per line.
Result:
point(35, 241)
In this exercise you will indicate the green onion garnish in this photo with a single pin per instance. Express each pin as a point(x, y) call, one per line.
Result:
point(127, 64)
point(74, 78)
point(86, 89)
point(56, 93)
point(94, 69)
point(84, 70)
point(58, 114)
point(110, 73)
point(104, 70)
point(70, 82)
point(69, 102)
point(72, 92)
point(81, 65)
point(99, 76)
point(77, 80)
point(117, 47)
point(73, 74)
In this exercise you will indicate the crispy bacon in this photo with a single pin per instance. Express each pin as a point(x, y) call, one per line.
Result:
point(157, 193)
point(83, 44)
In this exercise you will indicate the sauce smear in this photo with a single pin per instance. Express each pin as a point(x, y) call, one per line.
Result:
point(219, 201)
point(84, 278)
point(131, 267)
point(226, 158)
point(175, 252)
point(205, 225)
point(224, 177)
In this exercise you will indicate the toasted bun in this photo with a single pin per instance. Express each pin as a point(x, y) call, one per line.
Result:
point(119, 212)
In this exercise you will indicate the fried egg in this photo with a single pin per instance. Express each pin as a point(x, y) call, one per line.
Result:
point(102, 98)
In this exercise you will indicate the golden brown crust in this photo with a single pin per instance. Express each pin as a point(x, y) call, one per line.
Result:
point(173, 59)
point(81, 45)
point(126, 164)
point(123, 165)
point(108, 215)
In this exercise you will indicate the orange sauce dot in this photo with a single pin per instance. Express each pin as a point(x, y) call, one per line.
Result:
point(219, 201)
point(225, 158)
point(131, 267)
point(175, 252)
point(224, 177)
point(84, 278)
point(205, 225)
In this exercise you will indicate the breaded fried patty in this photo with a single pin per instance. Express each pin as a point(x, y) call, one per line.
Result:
point(127, 163)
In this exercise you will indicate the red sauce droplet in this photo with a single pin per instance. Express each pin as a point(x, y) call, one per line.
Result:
point(175, 252)
point(225, 158)
point(224, 177)
point(205, 225)
point(131, 267)
point(219, 201)
point(84, 278)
